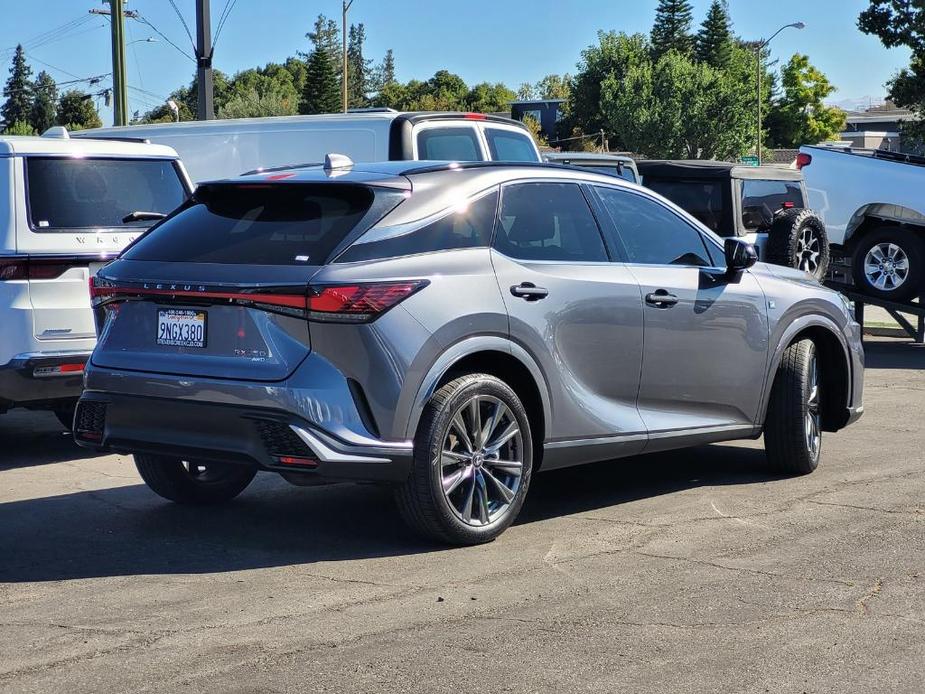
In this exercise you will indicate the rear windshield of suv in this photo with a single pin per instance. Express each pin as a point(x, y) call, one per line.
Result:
point(449, 144)
point(507, 145)
point(775, 195)
point(278, 224)
point(65, 194)
point(705, 199)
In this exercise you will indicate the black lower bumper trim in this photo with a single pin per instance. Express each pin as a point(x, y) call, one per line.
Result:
point(210, 432)
point(19, 386)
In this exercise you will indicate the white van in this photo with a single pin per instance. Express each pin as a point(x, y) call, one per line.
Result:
point(66, 208)
point(225, 148)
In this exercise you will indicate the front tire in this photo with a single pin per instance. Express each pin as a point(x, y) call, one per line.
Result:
point(473, 456)
point(188, 482)
point(793, 427)
point(888, 264)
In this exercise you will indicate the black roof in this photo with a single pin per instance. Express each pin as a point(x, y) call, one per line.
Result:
point(698, 168)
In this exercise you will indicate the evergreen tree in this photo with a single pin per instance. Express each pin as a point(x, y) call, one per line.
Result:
point(672, 28)
point(358, 68)
point(44, 107)
point(387, 69)
point(321, 94)
point(18, 91)
point(77, 112)
point(325, 35)
point(714, 42)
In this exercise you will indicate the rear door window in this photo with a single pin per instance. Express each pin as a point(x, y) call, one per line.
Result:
point(65, 194)
point(449, 144)
point(773, 195)
point(550, 222)
point(285, 224)
point(508, 145)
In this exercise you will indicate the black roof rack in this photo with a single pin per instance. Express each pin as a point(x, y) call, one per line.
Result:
point(456, 165)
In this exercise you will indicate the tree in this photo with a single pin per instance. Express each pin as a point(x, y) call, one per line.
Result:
point(45, 104)
point(18, 91)
point(387, 68)
point(321, 93)
point(489, 98)
point(674, 107)
point(612, 58)
point(359, 69)
point(550, 87)
point(672, 28)
point(325, 35)
point(76, 111)
point(800, 117)
point(714, 42)
point(19, 128)
point(902, 23)
point(255, 104)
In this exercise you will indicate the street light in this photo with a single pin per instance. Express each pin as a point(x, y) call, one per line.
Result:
point(761, 46)
point(150, 39)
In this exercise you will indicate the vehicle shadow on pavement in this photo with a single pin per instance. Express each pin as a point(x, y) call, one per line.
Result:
point(893, 354)
point(121, 531)
point(591, 487)
point(29, 438)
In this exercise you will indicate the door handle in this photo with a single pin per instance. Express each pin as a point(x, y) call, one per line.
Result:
point(529, 291)
point(661, 299)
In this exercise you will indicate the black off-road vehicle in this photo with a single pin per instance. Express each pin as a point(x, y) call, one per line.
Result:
point(762, 204)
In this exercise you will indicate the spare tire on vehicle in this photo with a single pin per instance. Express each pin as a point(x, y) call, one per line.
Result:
point(797, 239)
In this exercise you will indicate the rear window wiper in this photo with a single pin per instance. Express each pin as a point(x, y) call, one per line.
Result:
point(142, 216)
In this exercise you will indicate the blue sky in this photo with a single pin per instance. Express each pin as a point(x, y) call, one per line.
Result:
point(511, 41)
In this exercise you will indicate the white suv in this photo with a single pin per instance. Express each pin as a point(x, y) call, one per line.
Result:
point(66, 208)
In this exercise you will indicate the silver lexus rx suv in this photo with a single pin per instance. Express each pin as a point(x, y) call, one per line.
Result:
point(450, 329)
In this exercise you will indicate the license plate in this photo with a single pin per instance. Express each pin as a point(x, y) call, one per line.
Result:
point(181, 328)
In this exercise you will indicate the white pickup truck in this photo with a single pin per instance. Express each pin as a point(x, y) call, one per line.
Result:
point(873, 203)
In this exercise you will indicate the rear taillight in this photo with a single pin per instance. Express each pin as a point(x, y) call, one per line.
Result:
point(354, 303)
point(37, 268)
point(803, 160)
point(358, 303)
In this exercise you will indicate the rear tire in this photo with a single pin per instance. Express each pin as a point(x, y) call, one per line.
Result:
point(192, 483)
point(793, 426)
point(798, 239)
point(902, 255)
point(472, 463)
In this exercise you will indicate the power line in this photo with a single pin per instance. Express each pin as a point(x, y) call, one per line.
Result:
point(223, 17)
point(144, 20)
point(42, 62)
point(51, 35)
point(183, 22)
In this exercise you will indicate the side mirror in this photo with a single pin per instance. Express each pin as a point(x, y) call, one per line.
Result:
point(740, 255)
point(757, 217)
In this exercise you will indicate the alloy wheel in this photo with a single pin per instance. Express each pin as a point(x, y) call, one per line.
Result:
point(809, 250)
point(813, 422)
point(481, 460)
point(886, 266)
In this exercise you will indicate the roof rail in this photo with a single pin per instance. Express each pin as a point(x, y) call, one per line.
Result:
point(372, 109)
point(458, 165)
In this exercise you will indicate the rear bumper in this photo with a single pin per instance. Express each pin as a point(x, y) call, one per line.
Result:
point(42, 378)
point(268, 439)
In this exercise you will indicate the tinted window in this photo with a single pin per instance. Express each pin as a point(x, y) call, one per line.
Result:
point(286, 224)
point(67, 194)
point(651, 233)
point(704, 199)
point(548, 221)
point(773, 195)
point(506, 145)
point(462, 228)
point(449, 144)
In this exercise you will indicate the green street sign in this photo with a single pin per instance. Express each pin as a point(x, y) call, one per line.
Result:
point(750, 160)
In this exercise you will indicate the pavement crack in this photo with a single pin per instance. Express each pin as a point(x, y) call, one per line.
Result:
point(861, 605)
point(913, 512)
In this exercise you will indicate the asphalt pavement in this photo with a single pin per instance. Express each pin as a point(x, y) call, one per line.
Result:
point(690, 571)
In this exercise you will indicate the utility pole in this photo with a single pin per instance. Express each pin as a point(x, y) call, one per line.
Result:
point(117, 14)
point(204, 83)
point(343, 30)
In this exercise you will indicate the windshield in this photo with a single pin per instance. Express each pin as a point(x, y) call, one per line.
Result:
point(65, 194)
